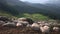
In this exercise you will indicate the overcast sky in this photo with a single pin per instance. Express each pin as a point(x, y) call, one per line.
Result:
point(36, 1)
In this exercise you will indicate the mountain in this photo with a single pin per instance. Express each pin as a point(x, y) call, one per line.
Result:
point(7, 8)
point(49, 7)
point(22, 7)
point(54, 2)
point(19, 8)
point(53, 10)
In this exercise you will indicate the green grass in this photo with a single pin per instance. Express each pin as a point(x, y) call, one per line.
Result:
point(34, 16)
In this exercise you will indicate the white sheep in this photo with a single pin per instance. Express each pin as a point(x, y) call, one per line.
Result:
point(2, 22)
point(22, 19)
point(35, 26)
point(44, 29)
point(19, 24)
point(41, 22)
point(9, 24)
point(56, 28)
point(47, 24)
point(26, 19)
point(28, 25)
point(22, 23)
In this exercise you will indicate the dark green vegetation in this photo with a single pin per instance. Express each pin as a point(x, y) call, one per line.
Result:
point(3, 13)
point(20, 9)
point(35, 16)
point(27, 15)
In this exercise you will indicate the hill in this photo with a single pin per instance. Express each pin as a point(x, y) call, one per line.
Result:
point(18, 8)
point(7, 14)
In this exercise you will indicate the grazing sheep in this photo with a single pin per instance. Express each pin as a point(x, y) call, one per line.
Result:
point(9, 24)
point(28, 25)
point(26, 19)
point(20, 23)
point(21, 19)
point(15, 21)
point(35, 26)
point(2, 22)
point(45, 29)
point(56, 28)
point(4, 18)
point(41, 22)
point(47, 24)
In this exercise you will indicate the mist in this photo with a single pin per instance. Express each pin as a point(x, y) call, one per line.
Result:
point(34, 1)
point(42, 1)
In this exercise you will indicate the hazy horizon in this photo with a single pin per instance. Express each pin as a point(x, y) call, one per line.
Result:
point(34, 1)
point(42, 1)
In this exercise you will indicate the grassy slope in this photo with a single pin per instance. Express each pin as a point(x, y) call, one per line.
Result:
point(3, 13)
point(27, 15)
point(34, 16)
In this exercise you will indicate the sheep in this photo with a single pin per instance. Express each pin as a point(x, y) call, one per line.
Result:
point(15, 21)
point(22, 23)
point(21, 19)
point(56, 29)
point(2, 22)
point(9, 24)
point(26, 19)
point(41, 22)
point(45, 29)
point(35, 26)
point(28, 25)
point(47, 24)
point(19, 25)
point(4, 18)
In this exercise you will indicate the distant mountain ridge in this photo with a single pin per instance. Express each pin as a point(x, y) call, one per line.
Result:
point(53, 2)
point(16, 7)
point(52, 8)
point(21, 6)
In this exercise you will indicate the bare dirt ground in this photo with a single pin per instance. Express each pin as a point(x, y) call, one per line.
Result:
point(21, 30)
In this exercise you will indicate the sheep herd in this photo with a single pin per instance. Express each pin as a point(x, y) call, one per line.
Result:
point(27, 22)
